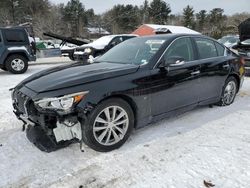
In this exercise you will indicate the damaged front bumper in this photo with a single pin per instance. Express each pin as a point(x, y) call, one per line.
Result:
point(47, 131)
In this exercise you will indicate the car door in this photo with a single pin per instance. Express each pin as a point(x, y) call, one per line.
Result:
point(174, 87)
point(214, 68)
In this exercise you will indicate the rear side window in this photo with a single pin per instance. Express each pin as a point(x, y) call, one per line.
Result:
point(15, 36)
point(220, 49)
point(206, 48)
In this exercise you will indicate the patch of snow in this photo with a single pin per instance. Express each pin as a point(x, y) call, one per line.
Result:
point(173, 29)
point(211, 144)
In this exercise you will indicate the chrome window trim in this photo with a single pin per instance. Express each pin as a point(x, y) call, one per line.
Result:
point(156, 64)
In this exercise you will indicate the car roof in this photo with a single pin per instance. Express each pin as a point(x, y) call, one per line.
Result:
point(11, 28)
point(173, 36)
point(119, 35)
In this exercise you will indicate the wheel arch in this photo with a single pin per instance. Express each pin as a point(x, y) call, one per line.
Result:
point(16, 53)
point(127, 99)
point(237, 77)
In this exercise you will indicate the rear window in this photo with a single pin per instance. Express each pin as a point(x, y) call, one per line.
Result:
point(15, 36)
point(220, 49)
point(206, 48)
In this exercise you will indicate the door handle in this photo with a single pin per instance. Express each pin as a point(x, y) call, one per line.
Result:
point(195, 72)
point(225, 66)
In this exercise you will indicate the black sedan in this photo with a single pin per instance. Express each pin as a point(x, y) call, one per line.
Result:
point(136, 83)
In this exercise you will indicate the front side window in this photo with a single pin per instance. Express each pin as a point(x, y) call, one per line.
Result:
point(206, 48)
point(15, 36)
point(181, 48)
point(136, 51)
point(116, 41)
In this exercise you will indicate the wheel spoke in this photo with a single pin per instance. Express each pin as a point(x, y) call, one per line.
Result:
point(119, 129)
point(100, 120)
point(99, 128)
point(122, 113)
point(101, 137)
point(108, 137)
point(107, 114)
point(115, 136)
point(121, 122)
point(114, 112)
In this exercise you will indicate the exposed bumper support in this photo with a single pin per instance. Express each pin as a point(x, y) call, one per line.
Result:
point(46, 143)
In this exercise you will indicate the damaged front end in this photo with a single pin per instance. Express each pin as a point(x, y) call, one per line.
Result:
point(52, 123)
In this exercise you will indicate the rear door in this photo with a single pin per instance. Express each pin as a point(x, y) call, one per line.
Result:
point(214, 68)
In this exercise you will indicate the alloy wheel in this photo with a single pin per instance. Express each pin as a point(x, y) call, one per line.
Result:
point(17, 64)
point(229, 92)
point(110, 125)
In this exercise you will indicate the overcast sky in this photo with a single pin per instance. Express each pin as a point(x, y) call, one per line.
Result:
point(230, 6)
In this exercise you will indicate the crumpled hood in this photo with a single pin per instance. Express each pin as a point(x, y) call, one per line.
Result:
point(244, 30)
point(75, 74)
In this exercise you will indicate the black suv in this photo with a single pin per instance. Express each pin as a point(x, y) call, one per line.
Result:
point(15, 50)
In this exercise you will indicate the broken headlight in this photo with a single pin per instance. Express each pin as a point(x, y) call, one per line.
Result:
point(64, 103)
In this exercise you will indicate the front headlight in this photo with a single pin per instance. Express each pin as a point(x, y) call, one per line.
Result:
point(88, 50)
point(64, 103)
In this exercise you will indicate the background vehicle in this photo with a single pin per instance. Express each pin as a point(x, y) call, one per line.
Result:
point(135, 83)
point(243, 46)
point(100, 46)
point(15, 50)
point(229, 40)
point(67, 44)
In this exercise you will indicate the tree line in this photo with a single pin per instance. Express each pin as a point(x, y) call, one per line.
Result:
point(73, 18)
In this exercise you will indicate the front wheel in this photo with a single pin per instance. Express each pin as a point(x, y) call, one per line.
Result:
point(229, 92)
point(109, 126)
point(16, 64)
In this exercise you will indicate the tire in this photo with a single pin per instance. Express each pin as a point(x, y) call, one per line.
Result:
point(229, 92)
point(71, 56)
point(93, 131)
point(16, 64)
point(4, 68)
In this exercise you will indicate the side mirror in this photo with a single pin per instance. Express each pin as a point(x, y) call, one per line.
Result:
point(174, 62)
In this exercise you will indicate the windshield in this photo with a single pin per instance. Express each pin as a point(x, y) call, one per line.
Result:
point(103, 40)
point(231, 40)
point(136, 51)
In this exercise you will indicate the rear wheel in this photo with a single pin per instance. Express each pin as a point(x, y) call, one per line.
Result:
point(229, 91)
point(16, 64)
point(109, 126)
point(71, 56)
